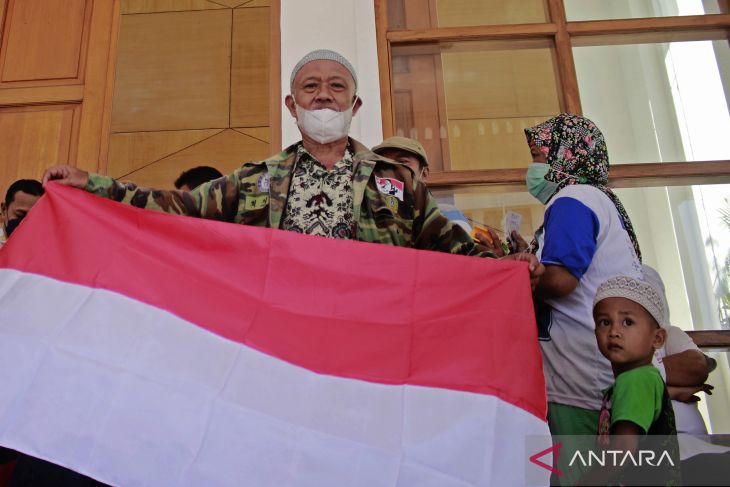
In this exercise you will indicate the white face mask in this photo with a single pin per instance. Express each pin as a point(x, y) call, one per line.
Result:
point(325, 125)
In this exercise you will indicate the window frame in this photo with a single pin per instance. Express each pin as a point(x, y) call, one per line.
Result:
point(564, 35)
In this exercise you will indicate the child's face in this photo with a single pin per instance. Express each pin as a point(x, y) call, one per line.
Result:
point(627, 334)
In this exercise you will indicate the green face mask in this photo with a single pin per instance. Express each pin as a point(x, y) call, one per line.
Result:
point(537, 185)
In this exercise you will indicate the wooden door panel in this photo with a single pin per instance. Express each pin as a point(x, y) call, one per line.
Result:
point(55, 29)
point(31, 138)
point(3, 8)
point(56, 70)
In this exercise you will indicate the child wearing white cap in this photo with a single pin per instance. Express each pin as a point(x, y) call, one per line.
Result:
point(631, 317)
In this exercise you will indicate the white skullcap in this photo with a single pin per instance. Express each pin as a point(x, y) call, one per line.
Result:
point(652, 277)
point(326, 55)
point(638, 291)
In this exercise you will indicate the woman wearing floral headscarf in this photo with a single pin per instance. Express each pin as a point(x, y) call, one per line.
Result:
point(586, 238)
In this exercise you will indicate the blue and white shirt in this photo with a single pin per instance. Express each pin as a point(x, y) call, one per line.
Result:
point(584, 233)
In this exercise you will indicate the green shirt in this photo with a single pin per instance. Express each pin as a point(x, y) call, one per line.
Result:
point(636, 396)
point(640, 396)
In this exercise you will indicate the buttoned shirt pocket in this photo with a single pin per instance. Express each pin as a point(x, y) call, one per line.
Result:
point(381, 212)
point(253, 200)
point(392, 220)
point(254, 209)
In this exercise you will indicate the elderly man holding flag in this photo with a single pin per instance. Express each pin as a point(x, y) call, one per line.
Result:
point(177, 352)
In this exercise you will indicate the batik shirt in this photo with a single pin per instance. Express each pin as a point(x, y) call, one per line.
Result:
point(320, 201)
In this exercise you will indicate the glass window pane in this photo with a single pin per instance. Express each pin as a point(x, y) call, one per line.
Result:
point(658, 102)
point(684, 236)
point(468, 103)
point(629, 9)
point(683, 231)
point(425, 14)
point(486, 206)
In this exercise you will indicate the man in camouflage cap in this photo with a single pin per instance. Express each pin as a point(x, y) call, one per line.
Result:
point(412, 153)
point(408, 151)
point(327, 184)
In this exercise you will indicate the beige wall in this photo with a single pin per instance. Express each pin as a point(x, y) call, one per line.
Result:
point(191, 88)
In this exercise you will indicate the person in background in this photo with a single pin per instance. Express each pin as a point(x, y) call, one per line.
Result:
point(192, 178)
point(412, 153)
point(683, 367)
point(18, 469)
point(630, 326)
point(586, 238)
point(685, 370)
point(408, 151)
point(19, 199)
point(327, 184)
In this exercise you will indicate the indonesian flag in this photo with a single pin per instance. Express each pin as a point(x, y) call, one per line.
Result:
point(141, 348)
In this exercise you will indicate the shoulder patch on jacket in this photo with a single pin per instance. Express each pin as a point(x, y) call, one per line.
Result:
point(390, 187)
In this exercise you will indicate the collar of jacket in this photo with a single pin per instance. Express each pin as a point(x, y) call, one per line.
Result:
point(280, 169)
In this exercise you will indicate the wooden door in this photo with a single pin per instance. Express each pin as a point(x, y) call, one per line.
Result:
point(56, 74)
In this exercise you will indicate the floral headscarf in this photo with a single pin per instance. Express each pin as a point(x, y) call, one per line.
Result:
point(576, 153)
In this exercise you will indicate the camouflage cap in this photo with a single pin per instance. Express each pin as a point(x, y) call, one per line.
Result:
point(322, 55)
point(403, 143)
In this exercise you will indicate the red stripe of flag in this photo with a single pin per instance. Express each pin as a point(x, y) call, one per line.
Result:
point(372, 312)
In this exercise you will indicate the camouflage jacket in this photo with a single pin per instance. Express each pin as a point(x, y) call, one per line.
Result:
point(403, 213)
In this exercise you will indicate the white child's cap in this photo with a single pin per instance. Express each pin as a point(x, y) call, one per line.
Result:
point(652, 277)
point(648, 294)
